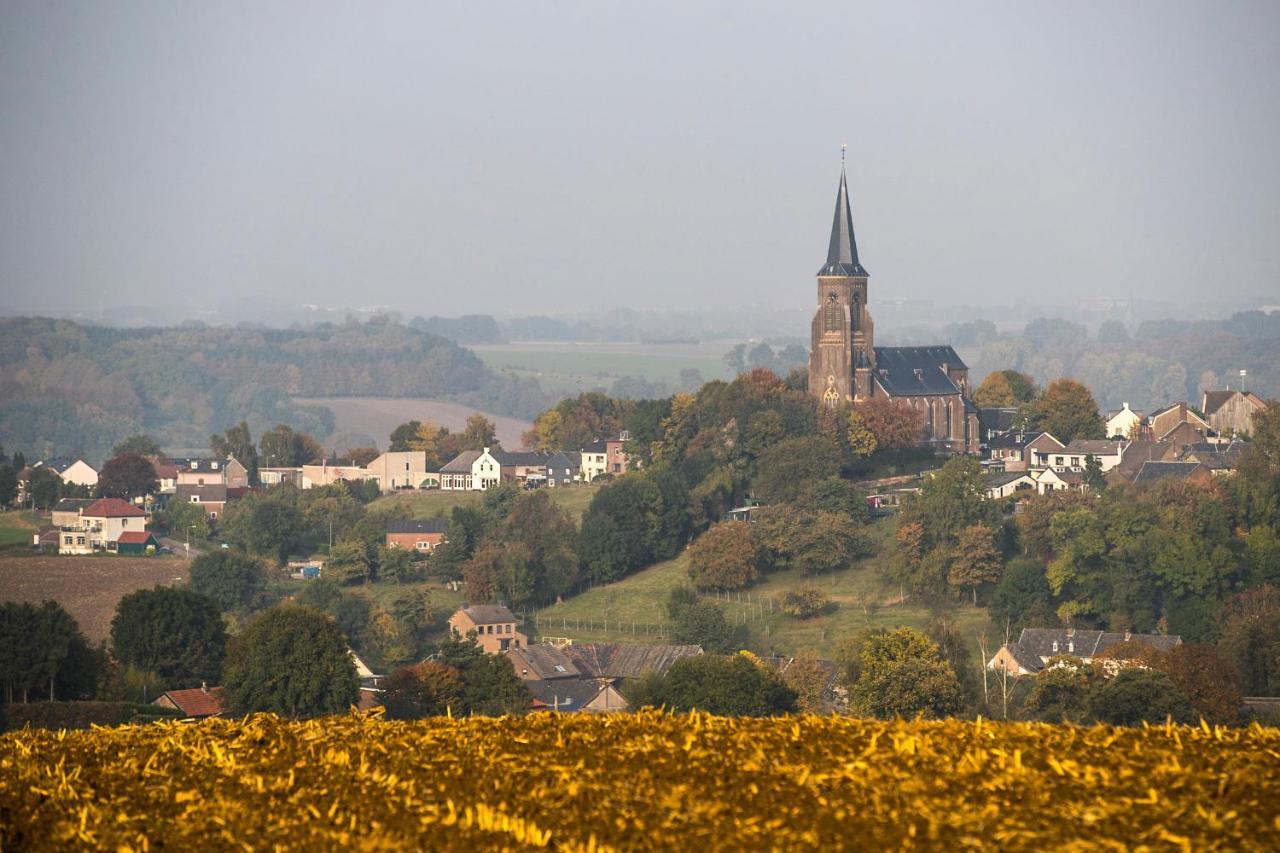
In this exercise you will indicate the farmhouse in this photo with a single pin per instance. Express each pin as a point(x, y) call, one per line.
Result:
point(494, 627)
point(1035, 646)
point(1231, 412)
point(421, 535)
point(198, 703)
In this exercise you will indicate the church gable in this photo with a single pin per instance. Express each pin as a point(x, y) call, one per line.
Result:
point(917, 371)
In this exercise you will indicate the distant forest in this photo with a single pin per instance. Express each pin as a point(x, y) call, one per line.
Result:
point(1157, 363)
point(68, 389)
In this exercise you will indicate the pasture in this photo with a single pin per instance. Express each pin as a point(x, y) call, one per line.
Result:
point(428, 504)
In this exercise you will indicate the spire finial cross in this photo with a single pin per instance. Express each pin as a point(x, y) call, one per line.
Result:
point(843, 146)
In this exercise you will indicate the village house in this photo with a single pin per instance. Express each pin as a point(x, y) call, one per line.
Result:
point(166, 476)
point(137, 543)
point(66, 512)
point(558, 685)
point(324, 474)
point(100, 526)
point(1042, 450)
point(471, 470)
point(1163, 421)
point(277, 475)
point(211, 498)
point(564, 467)
point(422, 535)
point(209, 472)
point(1189, 471)
point(1125, 423)
point(1036, 646)
point(1058, 480)
point(1231, 413)
point(1005, 483)
point(494, 627)
point(198, 703)
point(1008, 452)
point(1076, 454)
point(605, 456)
point(78, 473)
point(401, 469)
point(525, 467)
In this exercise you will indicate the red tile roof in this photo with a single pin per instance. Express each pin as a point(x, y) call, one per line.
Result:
point(112, 508)
point(135, 537)
point(198, 701)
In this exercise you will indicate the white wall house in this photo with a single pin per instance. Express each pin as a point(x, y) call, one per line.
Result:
point(81, 473)
point(1122, 424)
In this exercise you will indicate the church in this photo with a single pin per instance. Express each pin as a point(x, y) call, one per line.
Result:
point(845, 365)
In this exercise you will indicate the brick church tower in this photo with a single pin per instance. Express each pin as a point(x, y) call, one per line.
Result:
point(842, 358)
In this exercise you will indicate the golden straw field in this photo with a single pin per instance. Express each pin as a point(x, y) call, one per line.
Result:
point(649, 780)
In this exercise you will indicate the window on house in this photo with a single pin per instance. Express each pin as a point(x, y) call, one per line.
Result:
point(1055, 645)
point(79, 540)
point(1057, 460)
point(560, 668)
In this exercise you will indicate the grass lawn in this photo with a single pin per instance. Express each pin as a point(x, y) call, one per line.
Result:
point(574, 500)
point(864, 600)
point(15, 529)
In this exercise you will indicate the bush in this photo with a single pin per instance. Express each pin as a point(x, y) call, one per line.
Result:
point(725, 557)
point(805, 603)
point(1138, 695)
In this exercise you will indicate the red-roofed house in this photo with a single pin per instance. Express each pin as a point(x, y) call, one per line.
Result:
point(196, 703)
point(100, 526)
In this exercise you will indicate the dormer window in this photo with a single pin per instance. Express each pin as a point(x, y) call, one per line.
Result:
point(1055, 646)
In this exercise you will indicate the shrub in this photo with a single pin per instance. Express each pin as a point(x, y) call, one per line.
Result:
point(805, 603)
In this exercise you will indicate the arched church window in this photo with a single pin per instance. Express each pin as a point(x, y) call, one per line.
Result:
point(831, 312)
point(857, 310)
point(948, 419)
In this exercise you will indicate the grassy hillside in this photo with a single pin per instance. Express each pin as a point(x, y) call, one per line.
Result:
point(863, 600)
point(574, 500)
point(15, 530)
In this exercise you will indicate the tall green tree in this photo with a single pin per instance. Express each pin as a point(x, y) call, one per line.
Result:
point(1137, 695)
point(237, 441)
point(231, 579)
point(975, 560)
point(1005, 388)
point(268, 524)
point(735, 686)
point(44, 487)
point(292, 661)
point(1067, 411)
point(176, 633)
point(282, 446)
point(489, 684)
point(43, 653)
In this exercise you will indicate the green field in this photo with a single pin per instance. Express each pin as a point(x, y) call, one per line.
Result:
point(863, 600)
point(569, 368)
point(15, 529)
point(573, 499)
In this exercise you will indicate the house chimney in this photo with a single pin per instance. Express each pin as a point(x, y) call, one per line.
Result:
point(204, 687)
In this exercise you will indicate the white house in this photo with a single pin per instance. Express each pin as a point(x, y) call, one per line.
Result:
point(1122, 424)
point(81, 473)
point(403, 469)
point(100, 526)
point(1076, 454)
point(1059, 479)
point(471, 470)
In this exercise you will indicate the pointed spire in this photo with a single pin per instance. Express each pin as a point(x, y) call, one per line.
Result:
point(842, 254)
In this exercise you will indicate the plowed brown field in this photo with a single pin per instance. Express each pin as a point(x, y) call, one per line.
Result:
point(88, 587)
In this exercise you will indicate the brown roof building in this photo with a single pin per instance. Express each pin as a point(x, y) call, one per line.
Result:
point(197, 703)
point(1231, 412)
point(494, 627)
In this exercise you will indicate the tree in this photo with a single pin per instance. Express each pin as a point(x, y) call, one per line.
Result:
point(1067, 411)
point(1251, 639)
point(698, 623)
point(281, 446)
point(479, 433)
point(862, 441)
point(292, 661)
point(402, 435)
point(546, 432)
point(43, 652)
point(1206, 678)
point(1136, 695)
point(1093, 478)
point(44, 486)
point(231, 579)
point(633, 522)
point(1061, 691)
point(348, 562)
point(805, 603)
point(1004, 388)
point(187, 519)
point(8, 484)
point(807, 678)
point(528, 557)
point(238, 442)
point(127, 476)
point(265, 523)
point(489, 684)
point(1022, 597)
point(725, 557)
point(427, 689)
point(825, 542)
point(894, 424)
point(903, 676)
point(176, 633)
point(975, 559)
point(352, 612)
point(138, 445)
point(735, 686)
point(783, 469)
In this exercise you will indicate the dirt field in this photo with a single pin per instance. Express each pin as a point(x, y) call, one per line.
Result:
point(377, 416)
point(88, 587)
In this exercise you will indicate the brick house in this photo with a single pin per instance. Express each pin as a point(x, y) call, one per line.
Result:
point(211, 498)
point(493, 625)
point(422, 535)
point(1163, 421)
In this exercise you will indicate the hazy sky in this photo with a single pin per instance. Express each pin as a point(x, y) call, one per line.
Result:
point(558, 157)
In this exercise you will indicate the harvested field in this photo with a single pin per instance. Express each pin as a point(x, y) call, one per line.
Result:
point(377, 416)
point(88, 587)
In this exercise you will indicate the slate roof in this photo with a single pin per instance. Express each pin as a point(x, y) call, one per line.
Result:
point(211, 493)
point(997, 419)
point(842, 251)
point(1150, 472)
point(198, 701)
point(1094, 446)
point(460, 464)
point(73, 504)
point(519, 457)
point(626, 660)
point(565, 459)
point(994, 481)
point(1011, 439)
point(597, 446)
point(1136, 454)
point(896, 370)
point(566, 694)
point(112, 508)
point(544, 661)
point(421, 525)
point(1038, 642)
point(488, 614)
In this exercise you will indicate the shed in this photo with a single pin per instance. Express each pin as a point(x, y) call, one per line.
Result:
point(136, 542)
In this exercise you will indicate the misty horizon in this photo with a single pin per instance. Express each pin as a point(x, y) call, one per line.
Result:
point(561, 162)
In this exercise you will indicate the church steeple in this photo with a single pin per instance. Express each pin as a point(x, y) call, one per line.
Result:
point(842, 254)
